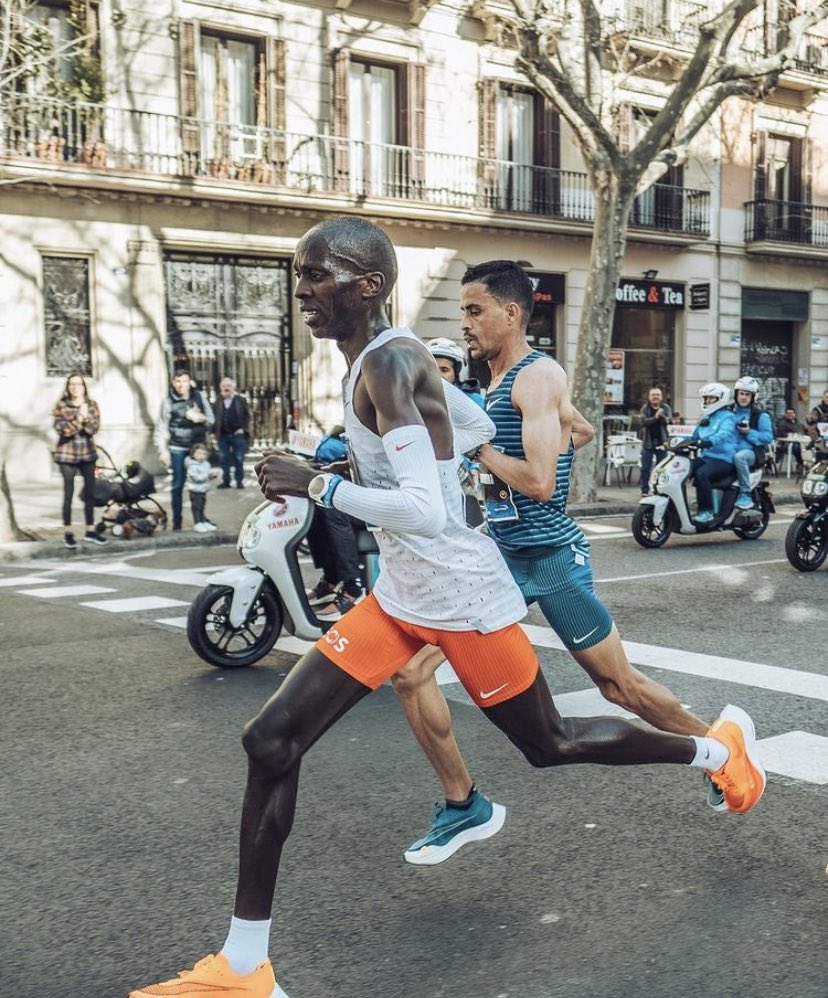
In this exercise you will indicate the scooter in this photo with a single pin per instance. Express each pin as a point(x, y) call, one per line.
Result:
point(806, 542)
point(238, 616)
point(667, 508)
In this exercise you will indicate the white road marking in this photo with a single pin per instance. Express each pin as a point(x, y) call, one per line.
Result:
point(134, 604)
point(52, 592)
point(799, 754)
point(25, 580)
point(602, 529)
point(648, 576)
point(731, 670)
point(173, 621)
point(295, 646)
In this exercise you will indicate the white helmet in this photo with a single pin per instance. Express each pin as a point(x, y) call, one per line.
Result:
point(443, 347)
point(747, 384)
point(719, 392)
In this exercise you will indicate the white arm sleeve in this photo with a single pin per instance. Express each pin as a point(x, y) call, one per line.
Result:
point(417, 507)
point(472, 427)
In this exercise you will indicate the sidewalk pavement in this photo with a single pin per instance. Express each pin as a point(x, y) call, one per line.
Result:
point(37, 510)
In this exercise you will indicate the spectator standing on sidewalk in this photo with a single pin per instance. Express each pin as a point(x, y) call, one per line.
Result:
point(184, 420)
point(232, 432)
point(655, 417)
point(199, 480)
point(76, 419)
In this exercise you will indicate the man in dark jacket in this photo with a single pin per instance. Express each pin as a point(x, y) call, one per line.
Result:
point(184, 420)
point(655, 415)
point(232, 432)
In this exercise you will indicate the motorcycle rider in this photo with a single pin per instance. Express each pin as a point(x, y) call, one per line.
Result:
point(717, 438)
point(755, 434)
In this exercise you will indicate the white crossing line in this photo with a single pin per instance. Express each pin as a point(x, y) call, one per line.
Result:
point(25, 580)
point(53, 592)
point(134, 604)
point(648, 576)
point(602, 529)
point(173, 621)
point(731, 670)
point(799, 754)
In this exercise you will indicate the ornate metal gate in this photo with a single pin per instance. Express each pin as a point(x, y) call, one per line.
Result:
point(229, 316)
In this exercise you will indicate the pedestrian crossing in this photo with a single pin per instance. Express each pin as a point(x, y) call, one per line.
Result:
point(795, 755)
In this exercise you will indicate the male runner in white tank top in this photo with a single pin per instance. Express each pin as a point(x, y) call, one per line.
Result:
point(345, 270)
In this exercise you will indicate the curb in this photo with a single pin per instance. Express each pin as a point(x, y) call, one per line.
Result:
point(54, 549)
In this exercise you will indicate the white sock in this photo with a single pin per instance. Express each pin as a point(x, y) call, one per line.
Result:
point(246, 944)
point(710, 753)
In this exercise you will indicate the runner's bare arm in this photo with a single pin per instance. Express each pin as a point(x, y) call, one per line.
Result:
point(541, 396)
point(583, 432)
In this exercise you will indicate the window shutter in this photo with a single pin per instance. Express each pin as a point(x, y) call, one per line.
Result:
point(625, 128)
point(759, 167)
point(795, 165)
point(413, 121)
point(339, 118)
point(188, 43)
point(276, 110)
point(547, 178)
point(489, 90)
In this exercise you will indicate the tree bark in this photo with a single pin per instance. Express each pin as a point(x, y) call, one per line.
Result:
point(613, 201)
point(9, 529)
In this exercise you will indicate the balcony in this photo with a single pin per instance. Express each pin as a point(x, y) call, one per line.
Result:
point(659, 22)
point(786, 228)
point(807, 73)
point(133, 150)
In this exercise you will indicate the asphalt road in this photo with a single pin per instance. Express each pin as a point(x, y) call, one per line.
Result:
point(123, 776)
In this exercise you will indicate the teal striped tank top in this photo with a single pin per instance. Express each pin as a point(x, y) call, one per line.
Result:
point(539, 524)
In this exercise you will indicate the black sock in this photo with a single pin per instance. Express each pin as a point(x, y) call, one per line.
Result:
point(463, 805)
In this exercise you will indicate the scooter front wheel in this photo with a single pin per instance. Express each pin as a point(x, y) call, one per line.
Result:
point(646, 531)
point(806, 544)
point(214, 639)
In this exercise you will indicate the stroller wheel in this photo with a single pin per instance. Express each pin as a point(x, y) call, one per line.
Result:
point(117, 529)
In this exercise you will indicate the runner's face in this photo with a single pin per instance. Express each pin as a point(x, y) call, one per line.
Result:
point(485, 321)
point(329, 292)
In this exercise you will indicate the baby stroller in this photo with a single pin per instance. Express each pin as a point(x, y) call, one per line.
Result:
point(125, 494)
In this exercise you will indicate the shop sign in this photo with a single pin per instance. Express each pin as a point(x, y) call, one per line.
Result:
point(763, 303)
point(649, 294)
point(699, 297)
point(549, 288)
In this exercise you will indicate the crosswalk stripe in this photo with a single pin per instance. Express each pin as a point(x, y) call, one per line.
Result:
point(25, 580)
point(53, 592)
point(134, 604)
point(798, 754)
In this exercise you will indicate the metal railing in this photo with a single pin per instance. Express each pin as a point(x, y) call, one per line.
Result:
point(674, 21)
point(142, 142)
point(811, 56)
point(786, 222)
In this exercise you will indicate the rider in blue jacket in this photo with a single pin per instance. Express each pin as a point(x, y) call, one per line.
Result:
point(754, 431)
point(717, 439)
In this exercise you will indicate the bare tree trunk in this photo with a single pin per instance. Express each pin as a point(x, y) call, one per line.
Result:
point(9, 530)
point(613, 200)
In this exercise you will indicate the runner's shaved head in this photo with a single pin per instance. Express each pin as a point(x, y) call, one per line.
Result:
point(358, 245)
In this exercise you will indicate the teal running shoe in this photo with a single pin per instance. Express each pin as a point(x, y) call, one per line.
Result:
point(453, 827)
point(715, 798)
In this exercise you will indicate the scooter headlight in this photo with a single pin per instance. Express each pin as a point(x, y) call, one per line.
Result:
point(249, 536)
point(664, 479)
point(820, 488)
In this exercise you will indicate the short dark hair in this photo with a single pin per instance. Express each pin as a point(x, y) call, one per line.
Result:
point(182, 370)
point(505, 281)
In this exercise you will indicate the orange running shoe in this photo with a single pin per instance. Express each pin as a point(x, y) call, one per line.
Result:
point(742, 778)
point(213, 977)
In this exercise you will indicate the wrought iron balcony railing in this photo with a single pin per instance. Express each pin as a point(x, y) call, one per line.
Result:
point(786, 222)
point(142, 143)
point(811, 56)
point(674, 21)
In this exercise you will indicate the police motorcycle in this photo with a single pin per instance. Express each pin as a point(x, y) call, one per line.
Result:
point(241, 612)
point(806, 542)
point(667, 508)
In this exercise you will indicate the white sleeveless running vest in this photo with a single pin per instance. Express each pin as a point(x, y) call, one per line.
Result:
point(456, 581)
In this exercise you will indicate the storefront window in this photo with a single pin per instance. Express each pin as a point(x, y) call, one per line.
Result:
point(646, 339)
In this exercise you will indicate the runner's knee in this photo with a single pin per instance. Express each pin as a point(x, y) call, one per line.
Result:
point(269, 747)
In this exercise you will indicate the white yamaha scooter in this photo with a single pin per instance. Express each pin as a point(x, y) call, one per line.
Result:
point(238, 616)
point(667, 508)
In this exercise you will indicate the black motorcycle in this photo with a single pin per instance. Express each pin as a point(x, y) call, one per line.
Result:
point(806, 543)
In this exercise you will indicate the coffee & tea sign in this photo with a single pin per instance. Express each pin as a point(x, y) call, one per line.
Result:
point(649, 294)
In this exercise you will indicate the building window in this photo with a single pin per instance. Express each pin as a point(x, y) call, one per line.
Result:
point(378, 124)
point(782, 188)
point(520, 149)
point(66, 317)
point(232, 95)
